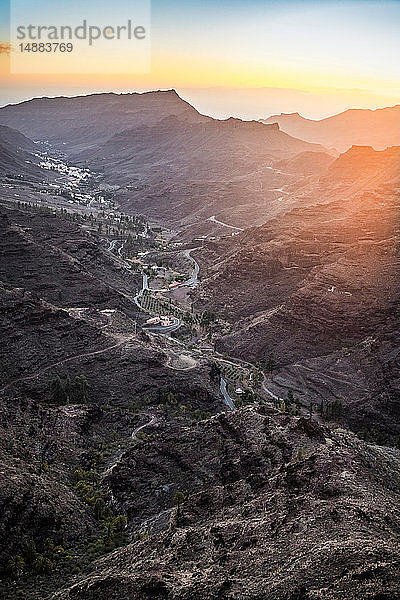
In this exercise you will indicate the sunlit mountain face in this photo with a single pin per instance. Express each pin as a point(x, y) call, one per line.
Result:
point(318, 288)
point(164, 158)
point(379, 128)
point(201, 307)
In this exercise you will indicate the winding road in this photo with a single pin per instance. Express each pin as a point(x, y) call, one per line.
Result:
point(113, 244)
point(166, 328)
point(193, 280)
point(145, 286)
point(227, 399)
point(155, 328)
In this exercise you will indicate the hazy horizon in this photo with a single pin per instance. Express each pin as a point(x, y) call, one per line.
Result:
point(214, 103)
point(248, 61)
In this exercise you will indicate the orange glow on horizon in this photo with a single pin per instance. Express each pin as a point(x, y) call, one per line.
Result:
point(314, 58)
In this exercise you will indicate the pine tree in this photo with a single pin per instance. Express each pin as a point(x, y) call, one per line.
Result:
point(179, 499)
point(58, 391)
point(79, 390)
point(215, 372)
point(30, 553)
point(290, 397)
point(271, 363)
point(99, 508)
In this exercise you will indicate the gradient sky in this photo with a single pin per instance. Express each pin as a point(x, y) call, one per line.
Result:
point(253, 58)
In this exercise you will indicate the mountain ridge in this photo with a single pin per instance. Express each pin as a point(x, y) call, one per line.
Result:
point(145, 466)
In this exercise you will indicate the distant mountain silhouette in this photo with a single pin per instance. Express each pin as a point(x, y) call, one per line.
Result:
point(79, 122)
point(378, 128)
point(363, 164)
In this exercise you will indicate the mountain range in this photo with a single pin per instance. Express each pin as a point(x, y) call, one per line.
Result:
point(84, 121)
point(163, 158)
point(378, 128)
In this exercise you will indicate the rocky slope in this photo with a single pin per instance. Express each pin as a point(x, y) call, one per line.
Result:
point(17, 157)
point(184, 173)
point(61, 262)
point(306, 163)
point(277, 508)
point(75, 375)
point(123, 475)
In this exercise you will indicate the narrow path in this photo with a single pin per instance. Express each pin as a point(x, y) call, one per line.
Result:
point(152, 421)
point(336, 379)
point(214, 220)
point(121, 247)
point(115, 459)
point(270, 394)
point(176, 341)
point(63, 362)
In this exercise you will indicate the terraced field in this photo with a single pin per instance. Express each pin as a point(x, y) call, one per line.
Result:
point(157, 306)
point(234, 373)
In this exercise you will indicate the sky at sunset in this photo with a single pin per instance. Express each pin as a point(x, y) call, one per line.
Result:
point(249, 59)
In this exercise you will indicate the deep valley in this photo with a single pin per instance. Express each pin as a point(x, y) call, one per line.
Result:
point(200, 376)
